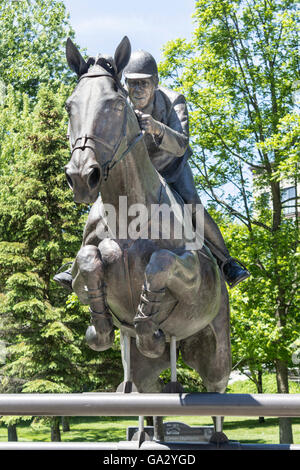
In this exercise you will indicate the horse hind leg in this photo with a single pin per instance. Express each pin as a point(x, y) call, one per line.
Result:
point(100, 334)
point(164, 270)
point(209, 353)
point(145, 373)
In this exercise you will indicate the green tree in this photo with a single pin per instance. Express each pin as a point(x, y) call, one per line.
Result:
point(103, 371)
point(32, 38)
point(239, 76)
point(40, 228)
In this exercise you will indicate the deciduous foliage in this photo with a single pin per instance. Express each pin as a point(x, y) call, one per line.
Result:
point(239, 75)
point(32, 38)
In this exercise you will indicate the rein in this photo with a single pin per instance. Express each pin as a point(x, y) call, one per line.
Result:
point(115, 158)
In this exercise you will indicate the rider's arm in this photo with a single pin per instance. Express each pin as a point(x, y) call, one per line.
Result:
point(174, 136)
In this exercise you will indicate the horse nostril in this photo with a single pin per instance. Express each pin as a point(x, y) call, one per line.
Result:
point(69, 180)
point(94, 178)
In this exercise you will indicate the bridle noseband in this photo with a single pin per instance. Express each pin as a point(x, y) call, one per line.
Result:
point(115, 158)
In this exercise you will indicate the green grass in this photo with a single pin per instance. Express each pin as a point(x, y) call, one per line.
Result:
point(91, 429)
point(269, 386)
point(108, 429)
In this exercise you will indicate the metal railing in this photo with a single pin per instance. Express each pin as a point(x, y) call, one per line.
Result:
point(139, 404)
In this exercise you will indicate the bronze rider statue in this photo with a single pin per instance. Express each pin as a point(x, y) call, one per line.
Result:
point(163, 115)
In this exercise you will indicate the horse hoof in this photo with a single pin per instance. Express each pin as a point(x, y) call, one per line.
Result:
point(98, 342)
point(173, 387)
point(100, 335)
point(150, 340)
point(127, 387)
point(218, 438)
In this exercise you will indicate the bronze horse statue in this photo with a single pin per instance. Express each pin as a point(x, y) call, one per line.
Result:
point(182, 290)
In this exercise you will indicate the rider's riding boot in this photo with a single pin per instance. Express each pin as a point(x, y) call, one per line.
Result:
point(234, 272)
point(150, 340)
point(64, 278)
point(232, 269)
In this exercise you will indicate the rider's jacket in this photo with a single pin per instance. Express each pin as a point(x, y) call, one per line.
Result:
point(169, 152)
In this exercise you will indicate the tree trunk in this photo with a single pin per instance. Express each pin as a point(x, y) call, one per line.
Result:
point(149, 420)
point(259, 387)
point(256, 377)
point(65, 423)
point(285, 424)
point(55, 431)
point(158, 428)
point(12, 432)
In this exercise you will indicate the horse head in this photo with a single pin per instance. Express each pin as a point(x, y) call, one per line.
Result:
point(97, 112)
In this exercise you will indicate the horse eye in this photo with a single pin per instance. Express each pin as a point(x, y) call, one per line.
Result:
point(67, 107)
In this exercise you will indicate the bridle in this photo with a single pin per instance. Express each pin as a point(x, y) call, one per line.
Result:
point(115, 158)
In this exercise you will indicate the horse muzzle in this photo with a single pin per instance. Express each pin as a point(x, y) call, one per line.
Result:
point(84, 184)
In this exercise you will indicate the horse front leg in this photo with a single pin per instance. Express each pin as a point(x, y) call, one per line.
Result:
point(100, 334)
point(164, 270)
point(150, 340)
point(209, 353)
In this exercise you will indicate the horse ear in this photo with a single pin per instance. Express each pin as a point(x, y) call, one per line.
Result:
point(122, 54)
point(75, 60)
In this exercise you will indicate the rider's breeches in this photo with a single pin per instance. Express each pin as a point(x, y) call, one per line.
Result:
point(185, 186)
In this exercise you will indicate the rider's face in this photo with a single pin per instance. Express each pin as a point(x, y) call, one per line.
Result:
point(141, 92)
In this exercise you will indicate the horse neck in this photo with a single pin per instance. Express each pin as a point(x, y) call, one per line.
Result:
point(135, 176)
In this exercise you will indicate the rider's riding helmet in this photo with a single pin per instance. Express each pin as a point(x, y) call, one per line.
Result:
point(141, 65)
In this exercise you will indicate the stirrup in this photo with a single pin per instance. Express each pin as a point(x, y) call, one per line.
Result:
point(232, 283)
point(64, 277)
point(61, 269)
point(228, 260)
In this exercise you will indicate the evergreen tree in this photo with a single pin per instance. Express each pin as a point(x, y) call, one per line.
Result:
point(40, 228)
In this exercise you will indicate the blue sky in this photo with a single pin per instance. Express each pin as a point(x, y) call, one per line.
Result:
point(100, 25)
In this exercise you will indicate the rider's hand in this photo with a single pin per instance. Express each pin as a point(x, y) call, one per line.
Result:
point(148, 124)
